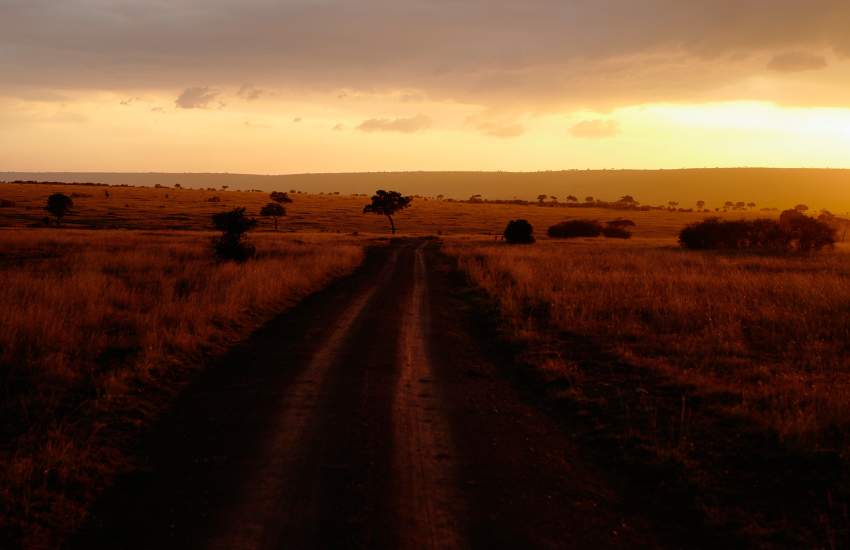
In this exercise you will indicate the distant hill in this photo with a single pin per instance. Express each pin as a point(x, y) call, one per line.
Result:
point(767, 187)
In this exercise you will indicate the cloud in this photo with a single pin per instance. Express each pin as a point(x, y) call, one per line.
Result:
point(532, 55)
point(795, 62)
point(412, 125)
point(502, 130)
point(197, 98)
point(338, 128)
point(296, 119)
point(596, 128)
point(249, 92)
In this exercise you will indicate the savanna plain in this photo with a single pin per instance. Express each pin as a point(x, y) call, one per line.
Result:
point(718, 378)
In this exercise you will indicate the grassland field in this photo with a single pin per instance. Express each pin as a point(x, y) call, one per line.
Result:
point(103, 316)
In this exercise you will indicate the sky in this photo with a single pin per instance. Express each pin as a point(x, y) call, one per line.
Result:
point(284, 87)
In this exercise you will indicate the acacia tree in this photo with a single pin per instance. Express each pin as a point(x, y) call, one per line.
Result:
point(387, 203)
point(279, 197)
point(58, 205)
point(751, 205)
point(700, 204)
point(275, 210)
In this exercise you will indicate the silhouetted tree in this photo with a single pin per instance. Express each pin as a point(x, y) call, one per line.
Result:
point(572, 199)
point(728, 204)
point(58, 205)
point(588, 199)
point(627, 198)
point(233, 243)
point(177, 186)
point(541, 198)
point(673, 204)
point(279, 197)
point(740, 205)
point(801, 208)
point(751, 205)
point(519, 232)
point(700, 204)
point(275, 210)
point(387, 203)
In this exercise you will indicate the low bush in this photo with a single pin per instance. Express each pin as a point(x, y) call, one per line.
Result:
point(798, 231)
point(615, 232)
point(575, 228)
point(519, 232)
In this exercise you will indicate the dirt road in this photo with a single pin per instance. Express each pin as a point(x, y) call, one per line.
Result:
point(366, 417)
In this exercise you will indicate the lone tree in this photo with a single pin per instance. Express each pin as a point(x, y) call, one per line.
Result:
point(275, 210)
point(751, 205)
point(233, 243)
point(58, 205)
point(387, 203)
point(700, 204)
point(279, 197)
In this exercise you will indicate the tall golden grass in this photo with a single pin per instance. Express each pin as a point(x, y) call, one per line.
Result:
point(91, 317)
point(771, 329)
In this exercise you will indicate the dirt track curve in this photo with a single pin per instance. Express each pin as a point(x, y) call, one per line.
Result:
point(366, 417)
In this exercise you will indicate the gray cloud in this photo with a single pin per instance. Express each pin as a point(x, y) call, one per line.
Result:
point(196, 98)
point(533, 55)
point(404, 125)
point(795, 62)
point(597, 128)
point(249, 92)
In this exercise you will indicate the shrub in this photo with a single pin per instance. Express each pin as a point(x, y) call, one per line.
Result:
point(614, 232)
point(575, 228)
point(233, 243)
point(519, 232)
point(795, 231)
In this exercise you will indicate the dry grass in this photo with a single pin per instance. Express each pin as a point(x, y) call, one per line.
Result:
point(770, 329)
point(90, 319)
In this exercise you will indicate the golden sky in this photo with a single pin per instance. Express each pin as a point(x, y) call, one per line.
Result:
point(278, 87)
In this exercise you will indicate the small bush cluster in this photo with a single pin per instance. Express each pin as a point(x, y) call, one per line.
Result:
point(572, 229)
point(616, 232)
point(792, 231)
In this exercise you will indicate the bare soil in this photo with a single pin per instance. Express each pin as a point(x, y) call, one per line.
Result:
point(374, 415)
